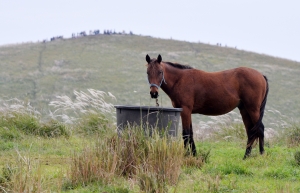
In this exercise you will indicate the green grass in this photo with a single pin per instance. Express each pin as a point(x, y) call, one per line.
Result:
point(222, 173)
point(106, 162)
point(15, 125)
point(226, 172)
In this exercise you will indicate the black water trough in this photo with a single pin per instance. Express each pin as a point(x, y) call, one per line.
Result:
point(149, 117)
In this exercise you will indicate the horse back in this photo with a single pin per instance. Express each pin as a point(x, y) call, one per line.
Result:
point(216, 93)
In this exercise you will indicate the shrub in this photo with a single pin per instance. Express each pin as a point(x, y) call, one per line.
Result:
point(24, 175)
point(229, 168)
point(20, 121)
point(198, 160)
point(26, 123)
point(227, 127)
point(155, 161)
point(297, 157)
point(233, 131)
point(6, 145)
point(6, 176)
point(278, 173)
point(53, 129)
point(93, 102)
point(9, 134)
point(16, 114)
point(92, 123)
point(148, 183)
point(293, 135)
point(12, 124)
point(193, 161)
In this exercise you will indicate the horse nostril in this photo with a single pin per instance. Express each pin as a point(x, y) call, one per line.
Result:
point(154, 94)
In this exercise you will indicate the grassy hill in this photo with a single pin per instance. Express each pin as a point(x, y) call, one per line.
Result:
point(37, 72)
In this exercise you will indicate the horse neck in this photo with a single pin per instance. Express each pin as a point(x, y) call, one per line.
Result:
point(172, 75)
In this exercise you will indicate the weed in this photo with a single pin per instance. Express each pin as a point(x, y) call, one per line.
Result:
point(29, 125)
point(232, 132)
point(293, 135)
point(297, 157)
point(278, 173)
point(204, 154)
point(147, 183)
point(213, 184)
point(93, 102)
point(230, 168)
point(91, 124)
point(193, 161)
point(6, 145)
point(156, 161)
point(7, 172)
point(24, 175)
point(25, 123)
point(228, 127)
point(9, 134)
point(53, 129)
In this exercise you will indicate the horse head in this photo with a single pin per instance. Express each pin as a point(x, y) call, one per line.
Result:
point(155, 74)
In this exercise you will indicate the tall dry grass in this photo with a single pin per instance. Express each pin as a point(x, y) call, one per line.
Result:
point(18, 118)
point(15, 106)
point(25, 175)
point(133, 154)
point(154, 159)
point(92, 102)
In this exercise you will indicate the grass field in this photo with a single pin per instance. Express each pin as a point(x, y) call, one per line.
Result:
point(85, 154)
point(46, 166)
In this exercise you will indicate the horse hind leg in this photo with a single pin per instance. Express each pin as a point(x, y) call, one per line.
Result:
point(248, 126)
point(261, 138)
point(255, 130)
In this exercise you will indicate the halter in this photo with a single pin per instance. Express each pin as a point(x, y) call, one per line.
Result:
point(162, 80)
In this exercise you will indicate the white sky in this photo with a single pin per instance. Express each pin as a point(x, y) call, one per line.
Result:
point(264, 26)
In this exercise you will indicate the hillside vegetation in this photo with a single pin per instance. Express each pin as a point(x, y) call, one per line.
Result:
point(87, 154)
point(37, 72)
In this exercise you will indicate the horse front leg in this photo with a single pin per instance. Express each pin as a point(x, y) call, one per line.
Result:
point(187, 131)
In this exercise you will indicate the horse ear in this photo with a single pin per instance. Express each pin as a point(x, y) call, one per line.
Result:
point(159, 58)
point(148, 59)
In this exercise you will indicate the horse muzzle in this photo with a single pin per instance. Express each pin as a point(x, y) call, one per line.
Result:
point(154, 90)
point(154, 95)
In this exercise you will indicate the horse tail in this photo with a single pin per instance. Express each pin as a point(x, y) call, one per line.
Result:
point(257, 130)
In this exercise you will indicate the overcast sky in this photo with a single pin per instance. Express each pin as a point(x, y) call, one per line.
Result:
point(264, 26)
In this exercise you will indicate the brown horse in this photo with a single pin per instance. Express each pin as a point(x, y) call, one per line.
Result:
point(212, 93)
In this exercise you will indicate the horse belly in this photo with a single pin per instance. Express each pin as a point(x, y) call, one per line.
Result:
point(216, 107)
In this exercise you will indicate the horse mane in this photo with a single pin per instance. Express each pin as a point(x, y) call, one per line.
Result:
point(180, 66)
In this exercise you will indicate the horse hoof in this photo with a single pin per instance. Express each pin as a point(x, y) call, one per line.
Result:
point(245, 157)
